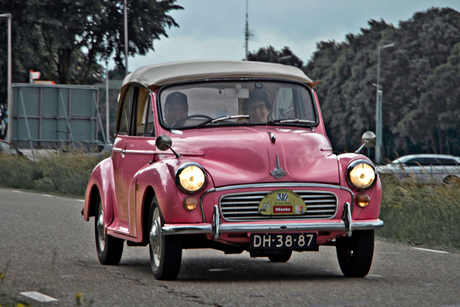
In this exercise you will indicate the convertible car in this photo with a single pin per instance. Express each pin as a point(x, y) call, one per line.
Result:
point(233, 156)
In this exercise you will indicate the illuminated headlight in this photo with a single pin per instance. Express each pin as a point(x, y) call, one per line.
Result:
point(190, 178)
point(361, 174)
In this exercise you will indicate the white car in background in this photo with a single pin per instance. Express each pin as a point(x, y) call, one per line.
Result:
point(424, 168)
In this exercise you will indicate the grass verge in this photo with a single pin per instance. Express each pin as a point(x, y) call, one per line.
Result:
point(420, 214)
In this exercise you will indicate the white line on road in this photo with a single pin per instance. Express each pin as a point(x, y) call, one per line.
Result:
point(10, 214)
point(39, 297)
point(17, 191)
point(47, 195)
point(81, 200)
point(431, 250)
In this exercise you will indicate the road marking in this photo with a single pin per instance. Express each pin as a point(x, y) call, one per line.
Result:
point(10, 214)
point(16, 191)
point(81, 200)
point(389, 253)
point(39, 297)
point(47, 195)
point(219, 270)
point(430, 250)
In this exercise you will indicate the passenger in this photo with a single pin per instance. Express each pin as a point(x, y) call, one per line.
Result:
point(257, 106)
point(176, 108)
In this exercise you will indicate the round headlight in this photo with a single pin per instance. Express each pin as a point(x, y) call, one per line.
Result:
point(190, 178)
point(361, 174)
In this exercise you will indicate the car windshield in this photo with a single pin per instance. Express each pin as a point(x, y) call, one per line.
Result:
point(204, 104)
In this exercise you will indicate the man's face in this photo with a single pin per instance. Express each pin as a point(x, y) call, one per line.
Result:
point(258, 112)
point(175, 111)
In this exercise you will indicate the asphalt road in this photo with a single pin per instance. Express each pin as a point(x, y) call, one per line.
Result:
point(47, 247)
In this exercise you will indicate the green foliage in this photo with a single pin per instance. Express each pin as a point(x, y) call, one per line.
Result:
point(420, 214)
point(65, 39)
point(53, 172)
point(420, 77)
point(271, 55)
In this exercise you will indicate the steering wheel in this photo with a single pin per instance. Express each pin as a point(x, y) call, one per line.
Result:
point(188, 117)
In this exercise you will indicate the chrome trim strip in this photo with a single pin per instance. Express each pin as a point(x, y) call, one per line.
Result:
point(207, 228)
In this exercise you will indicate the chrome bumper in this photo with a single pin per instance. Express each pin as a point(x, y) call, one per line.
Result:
point(216, 228)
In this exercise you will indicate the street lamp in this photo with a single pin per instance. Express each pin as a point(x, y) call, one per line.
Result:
point(287, 57)
point(10, 102)
point(126, 36)
point(378, 107)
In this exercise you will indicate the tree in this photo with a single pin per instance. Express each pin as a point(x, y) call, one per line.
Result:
point(269, 54)
point(419, 77)
point(65, 39)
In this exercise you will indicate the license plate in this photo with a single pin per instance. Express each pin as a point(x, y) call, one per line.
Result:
point(293, 241)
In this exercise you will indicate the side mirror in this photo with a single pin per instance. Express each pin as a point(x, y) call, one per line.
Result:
point(163, 142)
point(368, 140)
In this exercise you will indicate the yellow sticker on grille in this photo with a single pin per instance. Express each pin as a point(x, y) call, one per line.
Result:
point(282, 202)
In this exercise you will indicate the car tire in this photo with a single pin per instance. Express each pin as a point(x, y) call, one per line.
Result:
point(452, 181)
point(355, 253)
point(109, 249)
point(284, 257)
point(165, 251)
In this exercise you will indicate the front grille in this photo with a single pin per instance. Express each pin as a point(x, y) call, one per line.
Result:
point(245, 206)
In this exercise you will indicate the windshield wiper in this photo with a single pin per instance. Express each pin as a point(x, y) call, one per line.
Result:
point(219, 119)
point(291, 120)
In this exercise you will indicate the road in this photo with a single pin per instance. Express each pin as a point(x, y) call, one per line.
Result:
point(47, 247)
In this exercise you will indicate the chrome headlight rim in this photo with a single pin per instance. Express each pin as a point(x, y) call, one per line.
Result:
point(181, 169)
point(354, 164)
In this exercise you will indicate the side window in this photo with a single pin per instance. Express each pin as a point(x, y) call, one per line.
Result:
point(415, 162)
point(125, 114)
point(144, 116)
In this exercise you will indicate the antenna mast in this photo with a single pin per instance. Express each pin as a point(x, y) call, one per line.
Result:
point(246, 31)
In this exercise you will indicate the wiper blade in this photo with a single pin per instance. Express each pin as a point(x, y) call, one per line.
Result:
point(291, 120)
point(219, 119)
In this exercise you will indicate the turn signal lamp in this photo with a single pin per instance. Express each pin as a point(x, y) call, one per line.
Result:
point(190, 203)
point(363, 200)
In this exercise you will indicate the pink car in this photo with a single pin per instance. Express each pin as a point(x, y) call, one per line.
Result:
point(231, 156)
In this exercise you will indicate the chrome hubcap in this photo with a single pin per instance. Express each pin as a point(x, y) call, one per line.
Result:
point(155, 238)
point(100, 228)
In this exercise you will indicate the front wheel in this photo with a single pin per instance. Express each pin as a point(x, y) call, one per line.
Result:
point(283, 257)
point(165, 251)
point(109, 249)
point(355, 253)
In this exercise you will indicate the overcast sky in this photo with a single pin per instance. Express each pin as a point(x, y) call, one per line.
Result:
point(214, 29)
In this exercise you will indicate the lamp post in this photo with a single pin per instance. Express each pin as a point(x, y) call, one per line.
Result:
point(10, 102)
point(378, 107)
point(126, 36)
point(287, 57)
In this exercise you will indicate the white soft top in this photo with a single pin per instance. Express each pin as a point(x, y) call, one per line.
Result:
point(165, 73)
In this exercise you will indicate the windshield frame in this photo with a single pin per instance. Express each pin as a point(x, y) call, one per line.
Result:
point(310, 92)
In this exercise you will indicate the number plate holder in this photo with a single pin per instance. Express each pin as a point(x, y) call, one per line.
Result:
point(291, 241)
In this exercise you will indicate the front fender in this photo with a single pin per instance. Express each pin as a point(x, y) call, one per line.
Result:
point(101, 182)
point(372, 211)
point(160, 176)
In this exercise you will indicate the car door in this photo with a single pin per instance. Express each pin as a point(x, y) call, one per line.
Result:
point(414, 169)
point(133, 149)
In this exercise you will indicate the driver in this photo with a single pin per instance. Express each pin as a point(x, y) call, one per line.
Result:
point(176, 108)
point(257, 106)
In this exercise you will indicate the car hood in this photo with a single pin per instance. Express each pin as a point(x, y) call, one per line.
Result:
point(247, 155)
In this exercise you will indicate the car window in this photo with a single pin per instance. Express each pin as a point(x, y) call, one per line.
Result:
point(415, 162)
point(144, 116)
point(247, 102)
point(125, 114)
